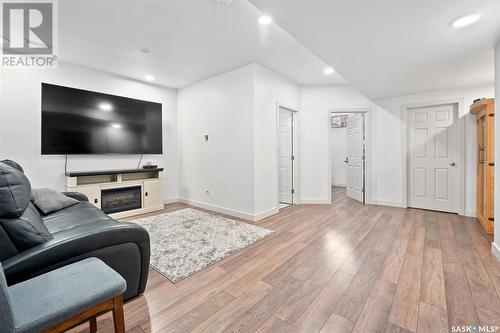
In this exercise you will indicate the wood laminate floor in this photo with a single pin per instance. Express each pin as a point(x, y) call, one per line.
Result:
point(344, 267)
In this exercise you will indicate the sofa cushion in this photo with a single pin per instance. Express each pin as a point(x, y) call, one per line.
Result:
point(15, 191)
point(49, 201)
point(27, 230)
point(7, 247)
point(13, 164)
point(75, 216)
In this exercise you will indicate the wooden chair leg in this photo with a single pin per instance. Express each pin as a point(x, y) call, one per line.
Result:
point(118, 318)
point(93, 324)
point(88, 315)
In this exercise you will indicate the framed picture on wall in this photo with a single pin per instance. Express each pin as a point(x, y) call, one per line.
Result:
point(338, 121)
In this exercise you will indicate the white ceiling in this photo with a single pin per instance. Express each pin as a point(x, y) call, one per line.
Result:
point(188, 40)
point(394, 48)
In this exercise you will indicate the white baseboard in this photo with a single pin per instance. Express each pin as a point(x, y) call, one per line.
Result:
point(223, 210)
point(389, 203)
point(470, 213)
point(496, 250)
point(266, 213)
point(169, 201)
point(338, 184)
point(308, 201)
point(231, 212)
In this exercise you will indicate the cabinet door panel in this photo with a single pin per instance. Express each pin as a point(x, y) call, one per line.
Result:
point(153, 194)
point(93, 193)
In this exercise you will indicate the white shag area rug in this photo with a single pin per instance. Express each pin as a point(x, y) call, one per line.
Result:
point(185, 241)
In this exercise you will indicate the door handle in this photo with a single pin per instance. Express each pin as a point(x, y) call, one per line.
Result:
point(346, 160)
point(453, 164)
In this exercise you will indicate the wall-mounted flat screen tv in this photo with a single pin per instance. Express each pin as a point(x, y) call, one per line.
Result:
point(76, 121)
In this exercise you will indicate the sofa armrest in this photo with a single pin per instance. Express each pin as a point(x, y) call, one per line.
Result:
point(77, 195)
point(78, 243)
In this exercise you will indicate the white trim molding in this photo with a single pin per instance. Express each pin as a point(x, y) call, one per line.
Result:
point(389, 203)
point(310, 201)
point(231, 212)
point(170, 201)
point(264, 214)
point(495, 248)
point(470, 213)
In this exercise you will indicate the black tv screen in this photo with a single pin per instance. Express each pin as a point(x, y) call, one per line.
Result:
point(76, 121)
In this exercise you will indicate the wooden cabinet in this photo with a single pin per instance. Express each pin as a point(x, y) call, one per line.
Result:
point(485, 111)
point(92, 192)
point(97, 185)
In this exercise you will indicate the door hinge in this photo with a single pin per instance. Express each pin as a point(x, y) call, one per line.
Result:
point(293, 157)
point(293, 191)
point(363, 190)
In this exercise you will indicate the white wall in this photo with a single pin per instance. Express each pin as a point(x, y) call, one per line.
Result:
point(390, 152)
point(238, 111)
point(385, 176)
point(20, 124)
point(339, 153)
point(269, 88)
point(221, 107)
point(496, 244)
point(238, 166)
point(315, 162)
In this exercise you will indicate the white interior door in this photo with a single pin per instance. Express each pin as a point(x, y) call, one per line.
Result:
point(285, 156)
point(355, 151)
point(433, 153)
point(339, 155)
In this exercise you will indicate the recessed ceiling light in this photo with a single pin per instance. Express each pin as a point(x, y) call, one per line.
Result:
point(328, 71)
point(149, 77)
point(465, 21)
point(265, 20)
point(105, 106)
point(116, 125)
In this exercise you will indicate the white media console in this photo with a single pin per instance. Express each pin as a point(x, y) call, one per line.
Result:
point(120, 193)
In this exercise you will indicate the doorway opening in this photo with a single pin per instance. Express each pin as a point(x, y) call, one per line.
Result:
point(348, 153)
point(287, 144)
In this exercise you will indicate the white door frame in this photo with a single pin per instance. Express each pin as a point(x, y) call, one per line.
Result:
point(369, 170)
point(295, 152)
point(461, 146)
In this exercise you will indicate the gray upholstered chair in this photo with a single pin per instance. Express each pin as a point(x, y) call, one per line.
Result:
point(32, 243)
point(61, 299)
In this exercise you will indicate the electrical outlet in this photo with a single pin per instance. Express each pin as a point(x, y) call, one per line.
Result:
point(210, 194)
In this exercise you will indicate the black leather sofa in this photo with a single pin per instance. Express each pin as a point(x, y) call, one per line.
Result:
point(71, 234)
